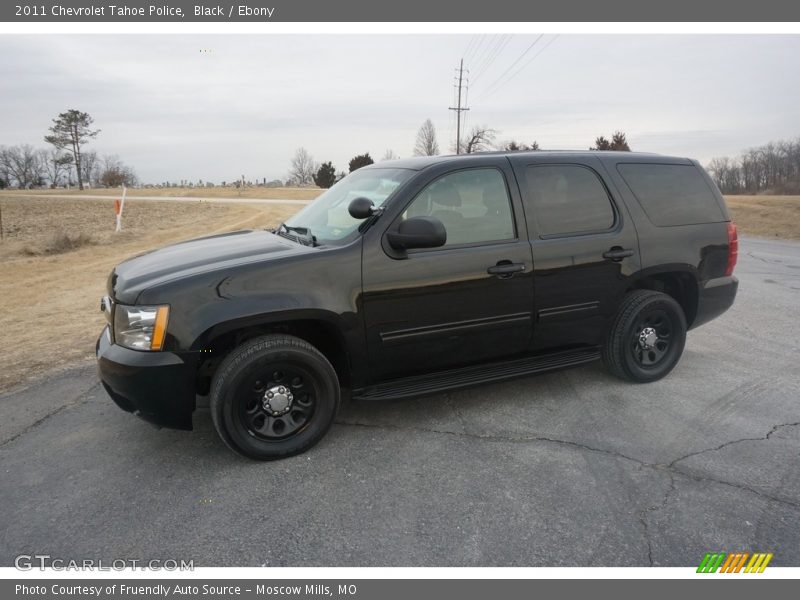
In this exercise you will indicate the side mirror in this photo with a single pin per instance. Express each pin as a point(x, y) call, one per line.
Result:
point(361, 208)
point(418, 232)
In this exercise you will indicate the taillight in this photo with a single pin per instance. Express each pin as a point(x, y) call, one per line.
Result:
point(733, 248)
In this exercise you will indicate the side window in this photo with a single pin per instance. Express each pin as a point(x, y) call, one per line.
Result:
point(472, 204)
point(568, 199)
point(672, 194)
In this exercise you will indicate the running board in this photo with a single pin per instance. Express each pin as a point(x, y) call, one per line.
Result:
point(420, 385)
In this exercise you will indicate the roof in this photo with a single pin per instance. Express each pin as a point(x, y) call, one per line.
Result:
point(418, 163)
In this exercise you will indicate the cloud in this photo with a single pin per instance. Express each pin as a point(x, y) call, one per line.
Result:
point(215, 107)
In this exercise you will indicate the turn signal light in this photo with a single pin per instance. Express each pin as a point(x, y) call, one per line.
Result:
point(160, 328)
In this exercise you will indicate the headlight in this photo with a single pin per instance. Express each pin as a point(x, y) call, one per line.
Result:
point(140, 327)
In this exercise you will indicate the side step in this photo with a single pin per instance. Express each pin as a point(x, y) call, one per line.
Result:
point(419, 385)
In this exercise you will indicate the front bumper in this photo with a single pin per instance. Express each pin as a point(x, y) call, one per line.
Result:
point(156, 386)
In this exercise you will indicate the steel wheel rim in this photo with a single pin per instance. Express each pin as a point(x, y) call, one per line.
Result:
point(650, 352)
point(258, 420)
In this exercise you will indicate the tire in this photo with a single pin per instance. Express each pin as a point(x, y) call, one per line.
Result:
point(631, 350)
point(305, 397)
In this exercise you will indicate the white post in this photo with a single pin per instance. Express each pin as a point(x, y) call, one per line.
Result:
point(121, 208)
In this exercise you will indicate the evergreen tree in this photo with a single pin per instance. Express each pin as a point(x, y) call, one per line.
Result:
point(70, 131)
point(361, 160)
point(325, 176)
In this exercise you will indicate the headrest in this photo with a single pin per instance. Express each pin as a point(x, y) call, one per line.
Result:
point(494, 196)
point(445, 193)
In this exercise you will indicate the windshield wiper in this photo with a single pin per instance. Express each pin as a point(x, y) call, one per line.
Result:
point(301, 235)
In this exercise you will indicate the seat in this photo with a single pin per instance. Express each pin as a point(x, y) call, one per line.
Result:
point(495, 199)
point(496, 222)
point(445, 202)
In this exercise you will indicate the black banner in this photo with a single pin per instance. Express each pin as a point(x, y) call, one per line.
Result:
point(407, 11)
point(391, 589)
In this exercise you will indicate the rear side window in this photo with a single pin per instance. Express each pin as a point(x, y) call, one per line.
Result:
point(672, 194)
point(568, 199)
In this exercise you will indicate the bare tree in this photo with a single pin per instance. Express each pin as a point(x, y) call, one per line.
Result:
point(55, 164)
point(480, 139)
point(774, 167)
point(69, 132)
point(90, 164)
point(303, 167)
point(5, 169)
point(426, 140)
point(389, 155)
point(114, 173)
point(23, 165)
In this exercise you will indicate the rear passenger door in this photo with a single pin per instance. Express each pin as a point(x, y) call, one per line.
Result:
point(585, 247)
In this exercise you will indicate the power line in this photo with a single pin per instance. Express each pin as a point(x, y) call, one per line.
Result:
point(500, 47)
point(522, 68)
point(478, 47)
point(479, 60)
point(519, 58)
point(469, 46)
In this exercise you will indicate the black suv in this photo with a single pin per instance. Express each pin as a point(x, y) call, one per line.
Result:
point(415, 276)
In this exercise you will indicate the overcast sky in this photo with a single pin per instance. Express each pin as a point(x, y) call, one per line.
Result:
point(248, 101)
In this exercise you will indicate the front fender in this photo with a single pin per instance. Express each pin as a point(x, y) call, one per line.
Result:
point(320, 286)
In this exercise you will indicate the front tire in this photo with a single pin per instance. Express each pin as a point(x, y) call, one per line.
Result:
point(647, 337)
point(273, 397)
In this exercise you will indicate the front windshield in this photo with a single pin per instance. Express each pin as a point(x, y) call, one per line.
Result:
point(327, 217)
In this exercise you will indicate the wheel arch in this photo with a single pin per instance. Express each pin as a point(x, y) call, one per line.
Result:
point(319, 329)
point(678, 281)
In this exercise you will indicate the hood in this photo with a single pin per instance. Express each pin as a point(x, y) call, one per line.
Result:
point(200, 255)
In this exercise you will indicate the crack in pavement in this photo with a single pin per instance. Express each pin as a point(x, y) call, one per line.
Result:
point(81, 398)
point(645, 511)
point(730, 443)
point(496, 438)
point(669, 468)
point(766, 260)
point(448, 401)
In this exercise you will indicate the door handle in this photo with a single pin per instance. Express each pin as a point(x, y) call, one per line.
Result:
point(616, 253)
point(505, 269)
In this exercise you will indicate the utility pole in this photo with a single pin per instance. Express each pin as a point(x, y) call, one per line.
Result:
point(459, 108)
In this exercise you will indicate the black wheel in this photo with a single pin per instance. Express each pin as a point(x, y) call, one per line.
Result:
point(273, 397)
point(647, 337)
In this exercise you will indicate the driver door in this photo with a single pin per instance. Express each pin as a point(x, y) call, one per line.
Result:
point(466, 302)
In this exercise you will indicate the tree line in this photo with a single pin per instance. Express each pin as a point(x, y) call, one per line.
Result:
point(771, 168)
point(305, 170)
point(66, 162)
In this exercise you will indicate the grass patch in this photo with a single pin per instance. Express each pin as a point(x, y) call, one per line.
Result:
point(60, 243)
point(766, 216)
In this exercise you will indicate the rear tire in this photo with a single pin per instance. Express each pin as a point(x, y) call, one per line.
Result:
point(273, 397)
point(647, 337)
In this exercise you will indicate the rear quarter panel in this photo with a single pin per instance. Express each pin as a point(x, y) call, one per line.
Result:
point(699, 249)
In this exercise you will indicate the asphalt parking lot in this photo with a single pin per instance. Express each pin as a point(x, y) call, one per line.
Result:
point(573, 468)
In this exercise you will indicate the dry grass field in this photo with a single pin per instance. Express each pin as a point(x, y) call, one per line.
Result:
point(265, 193)
point(57, 253)
point(766, 216)
point(49, 292)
